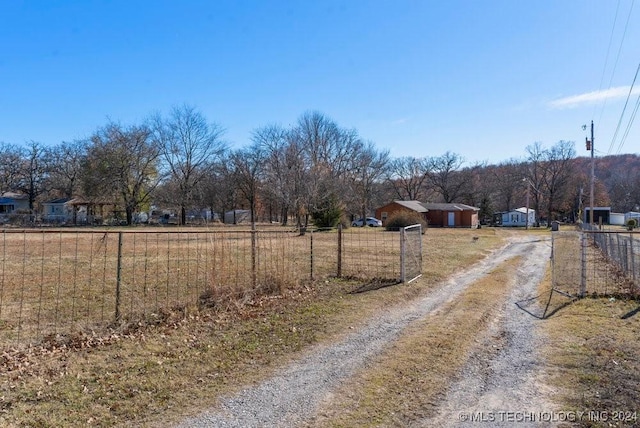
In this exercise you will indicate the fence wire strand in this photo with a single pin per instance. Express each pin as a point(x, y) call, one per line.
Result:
point(599, 263)
point(57, 282)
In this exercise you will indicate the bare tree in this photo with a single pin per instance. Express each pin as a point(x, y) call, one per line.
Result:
point(625, 190)
point(122, 163)
point(444, 175)
point(408, 178)
point(508, 177)
point(284, 168)
point(535, 176)
point(11, 158)
point(328, 153)
point(479, 188)
point(64, 164)
point(370, 166)
point(33, 172)
point(557, 174)
point(248, 172)
point(218, 190)
point(189, 146)
point(327, 146)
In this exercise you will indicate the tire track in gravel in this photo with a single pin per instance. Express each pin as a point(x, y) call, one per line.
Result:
point(501, 382)
point(290, 396)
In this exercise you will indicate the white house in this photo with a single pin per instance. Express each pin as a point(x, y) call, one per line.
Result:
point(57, 211)
point(517, 217)
point(64, 210)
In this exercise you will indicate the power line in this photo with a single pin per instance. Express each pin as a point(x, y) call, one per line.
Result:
point(631, 119)
point(624, 34)
point(615, 135)
point(606, 61)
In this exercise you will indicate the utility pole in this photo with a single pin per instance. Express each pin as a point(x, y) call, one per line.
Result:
point(592, 178)
point(526, 224)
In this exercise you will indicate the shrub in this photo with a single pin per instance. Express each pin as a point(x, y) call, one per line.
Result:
point(329, 214)
point(632, 223)
point(403, 219)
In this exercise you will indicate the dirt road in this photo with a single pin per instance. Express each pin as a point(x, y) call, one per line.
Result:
point(501, 376)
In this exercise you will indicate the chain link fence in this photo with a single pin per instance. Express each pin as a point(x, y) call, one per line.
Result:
point(57, 282)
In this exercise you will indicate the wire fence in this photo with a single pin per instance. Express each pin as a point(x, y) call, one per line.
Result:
point(594, 262)
point(410, 253)
point(57, 282)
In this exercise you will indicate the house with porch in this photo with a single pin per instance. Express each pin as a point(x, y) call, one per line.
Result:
point(65, 211)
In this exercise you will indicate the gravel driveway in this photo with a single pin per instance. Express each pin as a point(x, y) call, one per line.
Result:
point(506, 381)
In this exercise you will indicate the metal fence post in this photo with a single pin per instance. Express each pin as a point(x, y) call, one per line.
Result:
point(118, 276)
point(339, 250)
point(583, 264)
point(633, 258)
point(403, 275)
point(254, 274)
point(311, 254)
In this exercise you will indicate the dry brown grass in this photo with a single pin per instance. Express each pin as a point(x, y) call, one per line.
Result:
point(181, 361)
point(63, 281)
point(593, 357)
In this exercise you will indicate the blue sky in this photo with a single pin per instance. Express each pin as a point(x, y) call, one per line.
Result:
point(483, 79)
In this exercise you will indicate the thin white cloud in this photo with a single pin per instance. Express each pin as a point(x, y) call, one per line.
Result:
point(401, 121)
point(590, 98)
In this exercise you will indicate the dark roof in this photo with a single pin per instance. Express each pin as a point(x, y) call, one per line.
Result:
point(58, 201)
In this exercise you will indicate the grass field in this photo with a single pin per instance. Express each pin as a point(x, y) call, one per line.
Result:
point(181, 364)
point(60, 282)
point(156, 373)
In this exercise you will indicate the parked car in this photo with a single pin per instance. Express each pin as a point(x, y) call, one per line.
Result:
point(369, 221)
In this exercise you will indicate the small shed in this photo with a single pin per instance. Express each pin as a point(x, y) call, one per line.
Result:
point(601, 215)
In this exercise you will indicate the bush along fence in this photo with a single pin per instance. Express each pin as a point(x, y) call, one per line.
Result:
point(596, 262)
point(57, 282)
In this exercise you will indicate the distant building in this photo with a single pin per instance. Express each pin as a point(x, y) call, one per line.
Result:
point(237, 216)
point(13, 203)
point(601, 215)
point(435, 214)
point(515, 218)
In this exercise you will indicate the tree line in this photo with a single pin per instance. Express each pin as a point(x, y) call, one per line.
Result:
point(314, 170)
